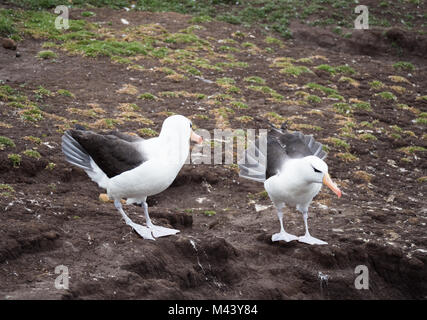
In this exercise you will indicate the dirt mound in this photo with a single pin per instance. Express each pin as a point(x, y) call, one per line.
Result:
point(372, 42)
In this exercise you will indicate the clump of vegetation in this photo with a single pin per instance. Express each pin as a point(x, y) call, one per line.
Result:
point(244, 119)
point(226, 81)
point(403, 65)
point(376, 84)
point(318, 87)
point(367, 137)
point(339, 143)
point(15, 159)
point(42, 92)
point(50, 166)
point(209, 213)
point(398, 89)
point(147, 132)
point(6, 190)
point(361, 105)
point(222, 97)
point(46, 54)
point(32, 154)
point(274, 118)
point(422, 119)
point(88, 14)
point(399, 79)
point(349, 80)
point(5, 92)
point(6, 142)
point(345, 70)
point(295, 70)
point(66, 93)
point(109, 47)
point(266, 90)
point(412, 149)
point(272, 40)
point(336, 97)
point(201, 116)
point(342, 107)
point(254, 79)
point(32, 114)
point(299, 126)
point(33, 139)
point(200, 19)
point(313, 99)
point(347, 156)
point(387, 95)
point(7, 27)
point(239, 105)
point(147, 96)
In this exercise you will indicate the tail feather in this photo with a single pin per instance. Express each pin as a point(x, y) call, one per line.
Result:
point(76, 155)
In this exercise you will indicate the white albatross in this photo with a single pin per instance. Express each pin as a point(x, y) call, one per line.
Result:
point(131, 167)
point(292, 168)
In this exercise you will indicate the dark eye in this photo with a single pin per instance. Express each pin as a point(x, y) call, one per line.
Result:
point(191, 125)
point(315, 170)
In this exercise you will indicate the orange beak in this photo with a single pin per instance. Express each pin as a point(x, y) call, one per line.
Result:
point(196, 138)
point(331, 185)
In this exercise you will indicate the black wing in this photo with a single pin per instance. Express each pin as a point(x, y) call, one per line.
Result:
point(113, 152)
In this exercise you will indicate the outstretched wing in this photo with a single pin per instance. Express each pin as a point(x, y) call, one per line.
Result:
point(281, 146)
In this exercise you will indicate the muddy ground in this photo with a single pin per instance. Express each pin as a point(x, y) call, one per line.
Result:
point(53, 215)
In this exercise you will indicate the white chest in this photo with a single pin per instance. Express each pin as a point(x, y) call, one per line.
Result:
point(292, 194)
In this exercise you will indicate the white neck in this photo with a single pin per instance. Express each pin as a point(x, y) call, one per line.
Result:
point(177, 149)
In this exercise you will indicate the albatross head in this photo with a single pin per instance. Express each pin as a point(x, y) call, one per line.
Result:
point(315, 170)
point(180, 127)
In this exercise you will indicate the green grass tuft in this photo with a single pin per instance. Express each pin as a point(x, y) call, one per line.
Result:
point(6, 142)
point(403, 65)
point(46, 54)
point(32, 154)
point(15, 159)
point(147, 96)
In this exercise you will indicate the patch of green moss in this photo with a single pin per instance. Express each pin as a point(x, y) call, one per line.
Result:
point(387, 95)
point(239, 105)
point(403, 65)
point(6, 142)
point(32, 154)
point(15, 159)
point(209, 213)
point(147, 132)
point(342, 107)
point(46, 54)
point(318, 87)
point(66, 93)
point(147, 96)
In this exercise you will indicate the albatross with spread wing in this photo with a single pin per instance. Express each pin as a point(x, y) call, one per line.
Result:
point(292, 168)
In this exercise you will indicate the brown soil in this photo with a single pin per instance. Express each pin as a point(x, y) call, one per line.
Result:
point(54, 216)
